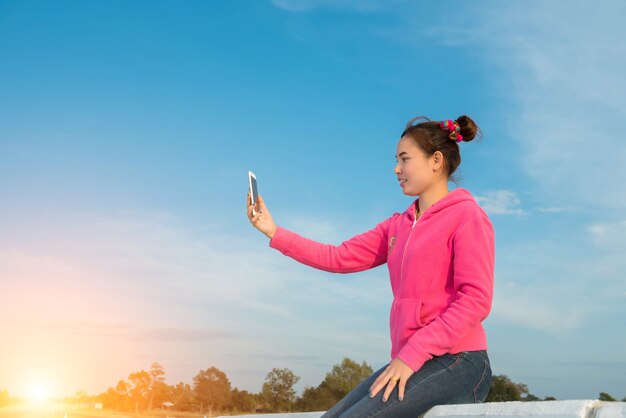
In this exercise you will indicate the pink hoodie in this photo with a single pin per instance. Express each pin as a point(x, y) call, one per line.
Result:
point(441, 268)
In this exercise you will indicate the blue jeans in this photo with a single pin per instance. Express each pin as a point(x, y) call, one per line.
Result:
point(463, 377)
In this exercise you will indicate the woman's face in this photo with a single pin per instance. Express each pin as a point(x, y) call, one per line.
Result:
point(416, 172)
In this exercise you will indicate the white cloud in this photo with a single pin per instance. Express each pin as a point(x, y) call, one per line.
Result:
point(561, 79)
point(609, 235)
point(568, 100)
point(500, 202)
point(556, 209)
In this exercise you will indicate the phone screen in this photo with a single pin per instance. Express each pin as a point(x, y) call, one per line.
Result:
point(255, 194)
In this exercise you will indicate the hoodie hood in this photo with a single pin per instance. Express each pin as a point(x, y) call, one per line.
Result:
point(453, 197)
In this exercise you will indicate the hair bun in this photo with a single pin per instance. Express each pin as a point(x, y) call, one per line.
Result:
point(469, 129)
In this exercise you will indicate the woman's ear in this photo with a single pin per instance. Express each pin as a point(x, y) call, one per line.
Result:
point(437, 160)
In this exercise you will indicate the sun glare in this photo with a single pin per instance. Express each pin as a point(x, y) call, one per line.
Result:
point(38, 392)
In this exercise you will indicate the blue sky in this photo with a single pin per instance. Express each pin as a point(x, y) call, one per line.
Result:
point(127, 130)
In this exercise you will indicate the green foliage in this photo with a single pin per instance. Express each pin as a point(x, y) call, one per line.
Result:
point(140, 388)
point(158, 390)
point(277, 392)
point(606, 397)
point(243, 401)
point(318, 398)
point(346, 376)
point(212, 389)
point(338, 383)
point(181, 396)
point(503, 390)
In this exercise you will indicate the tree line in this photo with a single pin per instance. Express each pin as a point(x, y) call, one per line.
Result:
point(211, 392)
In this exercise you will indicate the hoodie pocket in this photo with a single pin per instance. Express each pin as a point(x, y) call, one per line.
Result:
point(405, 319)
point(418, 314)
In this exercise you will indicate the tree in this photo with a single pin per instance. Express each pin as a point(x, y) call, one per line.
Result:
point(158, 388)
point(181, 396)
point(346, 376)
point(122, 388)
point(503, 390)
point(278, 390)
point(606, 397)
point(338, 383)
point(118, 398)
point(212, 389)
point(141, 387)
point(122, 396)
point(110, 399)
point(315, 399)
point(242, 401)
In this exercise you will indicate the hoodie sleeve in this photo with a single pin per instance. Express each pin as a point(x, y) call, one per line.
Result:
point(361, 252)
point(473, 261)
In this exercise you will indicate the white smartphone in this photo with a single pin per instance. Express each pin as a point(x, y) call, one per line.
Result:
point(254, 194)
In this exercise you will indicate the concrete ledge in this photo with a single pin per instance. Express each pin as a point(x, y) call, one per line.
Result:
point(584, 408)
point(611, 410)
point(578, 408)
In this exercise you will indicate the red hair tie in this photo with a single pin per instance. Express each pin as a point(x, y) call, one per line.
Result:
point(453, 127)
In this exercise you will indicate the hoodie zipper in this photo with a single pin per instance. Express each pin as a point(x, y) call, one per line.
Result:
point(407, 243)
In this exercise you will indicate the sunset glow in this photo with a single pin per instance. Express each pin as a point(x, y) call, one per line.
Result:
point(38, 392)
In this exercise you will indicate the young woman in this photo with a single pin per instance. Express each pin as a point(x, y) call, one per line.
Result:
point(440, 253)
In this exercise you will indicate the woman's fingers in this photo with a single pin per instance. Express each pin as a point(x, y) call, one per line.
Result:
point(248, 201)
point(401, 386)
point(379, 383)
point(262, 203)
point(250, 204)
point(262, 220)
point(389, 389)
point(397, 373)
point(388, 383)
point(374, 387)
point(252, 217)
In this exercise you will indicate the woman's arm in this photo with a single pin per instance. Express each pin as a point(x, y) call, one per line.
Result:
point(361, 252)
point(474, 258)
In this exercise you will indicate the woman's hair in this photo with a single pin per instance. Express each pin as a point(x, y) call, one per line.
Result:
point(429, 136)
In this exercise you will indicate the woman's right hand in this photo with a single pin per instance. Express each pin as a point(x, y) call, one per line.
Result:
point(263, 219)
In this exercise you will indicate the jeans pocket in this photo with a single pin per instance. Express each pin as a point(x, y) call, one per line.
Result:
point(482, 388)
point(484, 354)
point(450, 361)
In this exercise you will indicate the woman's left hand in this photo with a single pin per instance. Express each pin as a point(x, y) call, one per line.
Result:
point(396, 369)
